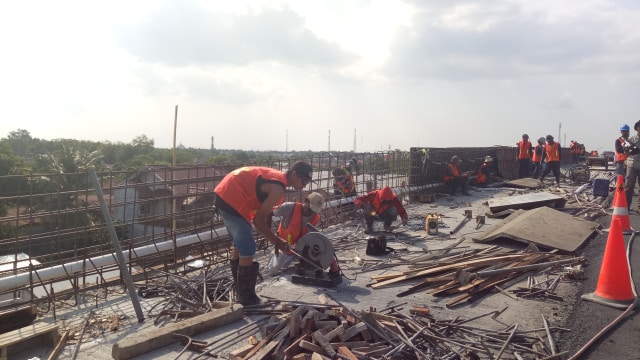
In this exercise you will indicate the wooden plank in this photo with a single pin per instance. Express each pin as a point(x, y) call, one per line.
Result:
point(265, 352)
point(145, 341)
point(459, 265)
point(322, 341)
point(59, 346)
point(344, 351)
point(28, 336)
point(352, 331)
point(295, 348)
point(310, 346)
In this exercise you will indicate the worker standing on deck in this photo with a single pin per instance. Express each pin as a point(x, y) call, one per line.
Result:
point(633, 164)
point(247, 196)
point(552, 155)
point(538, 157)
point(381, 205)
point(524, 156)
point(622, 150)
point(294, 217)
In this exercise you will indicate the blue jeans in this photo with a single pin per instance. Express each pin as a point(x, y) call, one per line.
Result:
point(241, 234)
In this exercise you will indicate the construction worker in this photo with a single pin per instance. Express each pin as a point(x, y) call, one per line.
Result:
point(552, 159)
point(247, 196)
point(293, 219)
point(483, 172)
point(573, 149)
point(622, 147)
point(453, 178)
point(524, 156)
point(381, 205)
point(633, 164)
point(343, 182)
point(538, 157)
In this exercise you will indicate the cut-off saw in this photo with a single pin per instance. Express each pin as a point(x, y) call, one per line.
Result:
point(318, 254)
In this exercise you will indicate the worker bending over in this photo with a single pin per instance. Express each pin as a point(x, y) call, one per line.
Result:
point(381, 205)
point(247, 196)
point(294, 217)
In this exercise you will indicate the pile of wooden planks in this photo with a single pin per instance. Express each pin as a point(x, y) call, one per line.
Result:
point(473, 275)
point(334, 332)
point(321, 331)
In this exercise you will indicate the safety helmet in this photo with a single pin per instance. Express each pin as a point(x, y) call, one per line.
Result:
point(624, 127)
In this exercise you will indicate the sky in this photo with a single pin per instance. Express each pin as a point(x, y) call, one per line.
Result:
point(363, 75)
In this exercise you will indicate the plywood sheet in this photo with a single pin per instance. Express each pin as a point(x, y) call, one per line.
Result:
point(526, 201)
point(544, 226)
point(525, 183)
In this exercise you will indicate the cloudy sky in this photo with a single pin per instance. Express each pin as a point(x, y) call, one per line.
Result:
point(313, 75)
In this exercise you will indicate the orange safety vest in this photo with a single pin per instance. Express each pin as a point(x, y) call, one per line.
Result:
point(346, 184)
point(455, 172)
point(524, 150)
point(553, 152)
point(481, 178)
point(573, 148)
point(238, 188)
point(296, 229)
point(537, 158)
point(385, 194)
point(620, 157)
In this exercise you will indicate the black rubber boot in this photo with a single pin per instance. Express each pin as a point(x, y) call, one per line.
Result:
point(247, 277)
point(233, 264)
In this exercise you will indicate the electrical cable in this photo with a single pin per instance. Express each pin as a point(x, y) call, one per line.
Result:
point(615, 322)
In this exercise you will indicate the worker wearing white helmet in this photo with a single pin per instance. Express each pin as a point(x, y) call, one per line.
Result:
point(622, 147)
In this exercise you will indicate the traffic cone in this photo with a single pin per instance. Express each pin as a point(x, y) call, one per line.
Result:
point(614, 284)
point(620, 210)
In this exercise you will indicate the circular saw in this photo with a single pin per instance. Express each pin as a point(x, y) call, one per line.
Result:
point(316, 249)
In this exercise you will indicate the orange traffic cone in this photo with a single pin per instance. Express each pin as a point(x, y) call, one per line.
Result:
point(620, 210)
point(614, 284)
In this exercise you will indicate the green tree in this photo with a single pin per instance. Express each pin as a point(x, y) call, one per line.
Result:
point(20, 141)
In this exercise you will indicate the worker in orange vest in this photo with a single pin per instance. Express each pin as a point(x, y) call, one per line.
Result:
point(552, 158)
point(622, 147)
point(524, 156)
point(538, 157)
point(246, 197)
point(294, 217)
point(483, 172)
point(381, 205)
point(454, 178)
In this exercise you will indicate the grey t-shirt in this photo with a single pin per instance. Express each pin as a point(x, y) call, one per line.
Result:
point(285, 211)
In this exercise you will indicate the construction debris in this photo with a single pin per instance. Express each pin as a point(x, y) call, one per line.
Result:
point(308, 331)
point(477, 273)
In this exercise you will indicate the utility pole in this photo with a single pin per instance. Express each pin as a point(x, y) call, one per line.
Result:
point(329, 141)
point(559, 130)
point(212, 145)
point(354, 140)
point(286, 146)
